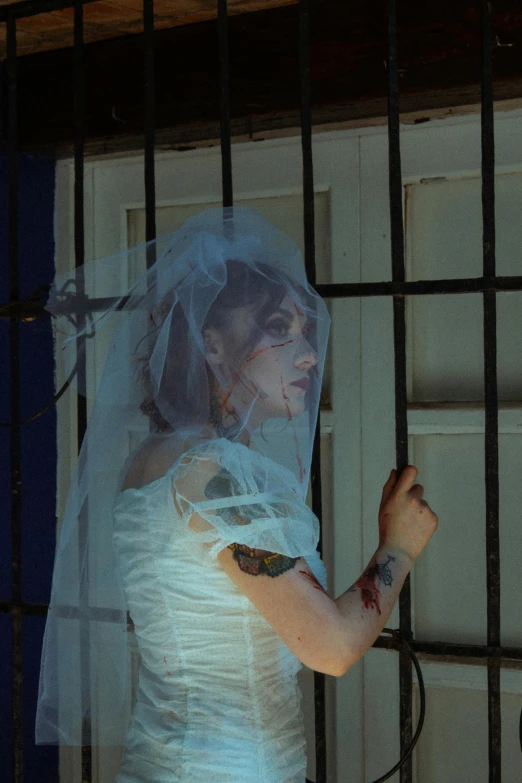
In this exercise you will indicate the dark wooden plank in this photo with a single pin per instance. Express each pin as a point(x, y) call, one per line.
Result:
point(439, 61)
point(45, 25)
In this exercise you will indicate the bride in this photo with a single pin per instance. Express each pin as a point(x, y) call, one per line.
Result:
point(201, 539)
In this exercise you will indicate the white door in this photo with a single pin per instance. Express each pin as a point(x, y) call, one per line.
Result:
point(444, 345)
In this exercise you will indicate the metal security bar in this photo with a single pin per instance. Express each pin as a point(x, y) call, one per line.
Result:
point(224, 105)
point(150, 133)
point(493, 653)
point(79, 259)
point(309, 259)
point(16, 451)
point(491, 396)
point(399, 341)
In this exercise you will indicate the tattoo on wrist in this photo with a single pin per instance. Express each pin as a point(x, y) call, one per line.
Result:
point(375, 575)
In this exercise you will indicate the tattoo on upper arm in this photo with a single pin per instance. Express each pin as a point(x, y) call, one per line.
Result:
point(374, 576)
point(251, 561)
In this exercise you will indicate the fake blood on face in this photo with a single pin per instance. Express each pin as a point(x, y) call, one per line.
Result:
point(302, 471)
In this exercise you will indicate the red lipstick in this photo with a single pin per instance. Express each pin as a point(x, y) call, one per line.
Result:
point(303, 383)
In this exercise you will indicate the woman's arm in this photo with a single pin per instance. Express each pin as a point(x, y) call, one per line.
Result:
point(325, 634)
point(406, 523)
point(366, 606)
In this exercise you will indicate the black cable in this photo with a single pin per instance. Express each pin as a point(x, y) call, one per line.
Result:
point(27, 309)
point(396, 636)
point(46, 407)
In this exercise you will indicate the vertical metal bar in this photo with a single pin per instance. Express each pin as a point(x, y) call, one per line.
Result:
point(150, 134)
point(79, 140)
point(491, 397)
point(224, 91)
point(306, 140)
point(309, 258)
point(15, 434)
point(79, 250)
point(399, 331)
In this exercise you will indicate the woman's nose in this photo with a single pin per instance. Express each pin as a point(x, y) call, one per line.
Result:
point(306, 355)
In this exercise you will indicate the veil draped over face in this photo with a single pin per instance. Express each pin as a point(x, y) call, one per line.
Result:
point(212, 368)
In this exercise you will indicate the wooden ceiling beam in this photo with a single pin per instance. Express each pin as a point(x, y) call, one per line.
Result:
point(439, 57)
point(47, 25)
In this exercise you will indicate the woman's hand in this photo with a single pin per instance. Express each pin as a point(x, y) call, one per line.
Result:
point(405, 520)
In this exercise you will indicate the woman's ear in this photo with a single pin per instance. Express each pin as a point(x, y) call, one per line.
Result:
point(214, 346)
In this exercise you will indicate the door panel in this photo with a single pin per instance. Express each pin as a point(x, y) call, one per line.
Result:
point(445, 374)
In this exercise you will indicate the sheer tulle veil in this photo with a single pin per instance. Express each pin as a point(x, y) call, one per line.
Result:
point(215, 352)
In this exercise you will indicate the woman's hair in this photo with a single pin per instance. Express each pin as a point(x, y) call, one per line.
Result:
point(262, 287)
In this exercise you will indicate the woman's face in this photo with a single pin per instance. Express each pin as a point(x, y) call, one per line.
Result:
point(276, 371)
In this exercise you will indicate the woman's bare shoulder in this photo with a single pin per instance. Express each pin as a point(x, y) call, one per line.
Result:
point(153, 459)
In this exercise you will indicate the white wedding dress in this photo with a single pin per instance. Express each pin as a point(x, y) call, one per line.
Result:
point(217, 699)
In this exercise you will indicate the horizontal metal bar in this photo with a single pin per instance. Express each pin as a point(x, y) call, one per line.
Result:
point(465, 285)
point(33, 609)
point(100, 614)
point(383, 642)
point(30, 310)
point(25, 608)
point(446, 649)
point(451, 649)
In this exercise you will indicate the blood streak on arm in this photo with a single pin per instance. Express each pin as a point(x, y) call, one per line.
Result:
point(370, 593)
point(369, 582)
point(313, 580)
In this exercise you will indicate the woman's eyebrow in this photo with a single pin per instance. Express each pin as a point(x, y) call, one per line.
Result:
point(288, 314)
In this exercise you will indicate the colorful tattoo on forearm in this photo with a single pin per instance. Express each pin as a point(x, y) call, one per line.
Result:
point(375, 575)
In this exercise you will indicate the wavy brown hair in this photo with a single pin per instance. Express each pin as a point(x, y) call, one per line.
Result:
point(263, 287)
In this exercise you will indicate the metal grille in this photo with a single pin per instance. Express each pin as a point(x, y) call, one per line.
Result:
point(489, 284)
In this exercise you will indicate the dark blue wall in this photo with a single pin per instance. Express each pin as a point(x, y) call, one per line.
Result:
point(36, 205)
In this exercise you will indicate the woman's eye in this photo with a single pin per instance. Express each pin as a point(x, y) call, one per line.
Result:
point(278, 327)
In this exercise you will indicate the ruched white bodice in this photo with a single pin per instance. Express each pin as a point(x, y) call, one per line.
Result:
point(218, 699)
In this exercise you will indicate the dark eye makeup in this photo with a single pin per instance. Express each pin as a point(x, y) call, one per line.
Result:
point(279, 326)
